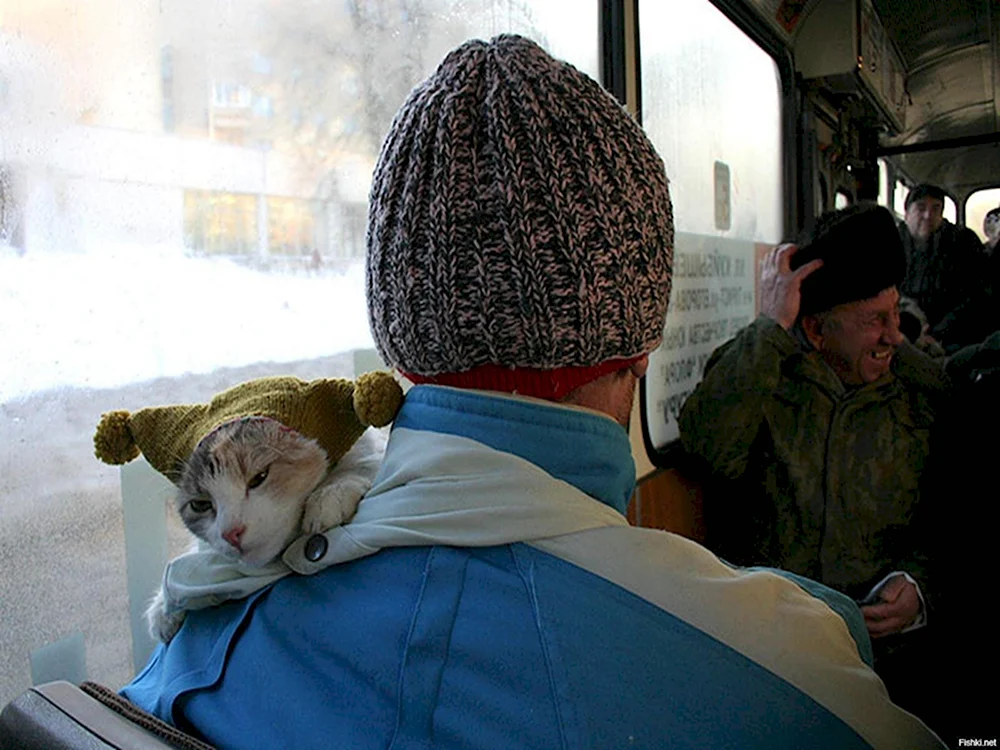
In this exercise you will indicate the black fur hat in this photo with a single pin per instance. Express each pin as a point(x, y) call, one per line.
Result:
point(862, 256)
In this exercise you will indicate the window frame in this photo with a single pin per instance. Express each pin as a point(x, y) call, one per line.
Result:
point(746, 20)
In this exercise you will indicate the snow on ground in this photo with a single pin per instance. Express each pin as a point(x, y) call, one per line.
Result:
point(103, 320)
point(83, 334)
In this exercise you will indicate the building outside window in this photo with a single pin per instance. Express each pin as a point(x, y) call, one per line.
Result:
point(183, 189)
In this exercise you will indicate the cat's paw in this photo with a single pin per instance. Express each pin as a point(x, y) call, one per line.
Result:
point(163, 625)
point(332, 505)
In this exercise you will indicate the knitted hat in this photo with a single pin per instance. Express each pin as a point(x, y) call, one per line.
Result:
point(862, 256)
point(520, 231)
point(332, 412)
point(923, 191)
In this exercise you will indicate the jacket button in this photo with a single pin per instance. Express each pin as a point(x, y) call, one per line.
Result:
point(316, 547)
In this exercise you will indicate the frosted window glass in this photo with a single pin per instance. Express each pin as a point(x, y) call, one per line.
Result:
point(183, 192)
point(710, 96)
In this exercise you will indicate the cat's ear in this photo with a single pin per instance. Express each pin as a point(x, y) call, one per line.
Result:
point(114, 442)
point(377, 398)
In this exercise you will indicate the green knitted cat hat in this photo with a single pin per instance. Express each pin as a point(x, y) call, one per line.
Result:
point(334, 412)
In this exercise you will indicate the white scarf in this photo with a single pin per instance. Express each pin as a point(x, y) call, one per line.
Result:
point(450, 491)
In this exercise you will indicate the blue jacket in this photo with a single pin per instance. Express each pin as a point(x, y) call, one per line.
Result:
point(490, 594)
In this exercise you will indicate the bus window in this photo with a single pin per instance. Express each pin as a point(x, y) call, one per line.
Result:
point(183, 191)
point(710, 96)
point(977, 206)
point(899, 198)
point(883, 184)
point(950, 210)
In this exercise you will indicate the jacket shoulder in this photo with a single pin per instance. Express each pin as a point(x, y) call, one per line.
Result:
point(962, 237)
point(918, 370)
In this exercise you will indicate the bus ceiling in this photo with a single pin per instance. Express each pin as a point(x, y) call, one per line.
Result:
point(944, 124)
point(950, 49)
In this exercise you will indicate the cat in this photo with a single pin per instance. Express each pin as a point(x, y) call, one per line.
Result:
point(253, 485)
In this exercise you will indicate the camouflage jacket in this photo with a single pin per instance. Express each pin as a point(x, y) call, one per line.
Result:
point(804, 474)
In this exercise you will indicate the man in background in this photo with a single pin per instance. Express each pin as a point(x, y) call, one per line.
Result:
point(945, 267)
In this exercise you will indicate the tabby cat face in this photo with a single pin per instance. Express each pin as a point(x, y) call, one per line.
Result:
point(243, 489)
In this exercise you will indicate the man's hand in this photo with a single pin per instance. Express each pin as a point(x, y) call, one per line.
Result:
point(901, 606)
point(780, 285)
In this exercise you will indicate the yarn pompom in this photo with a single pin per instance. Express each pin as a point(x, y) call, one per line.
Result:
point(113, 440)
point(377, 398)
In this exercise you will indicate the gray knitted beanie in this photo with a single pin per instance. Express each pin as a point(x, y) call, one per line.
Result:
point(520, 232)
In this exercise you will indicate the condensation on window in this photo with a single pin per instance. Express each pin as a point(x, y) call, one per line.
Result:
point(183, 192)
point(711, 102)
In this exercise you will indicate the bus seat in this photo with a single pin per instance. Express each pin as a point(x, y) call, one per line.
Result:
point(670, 500)
point(61, 716)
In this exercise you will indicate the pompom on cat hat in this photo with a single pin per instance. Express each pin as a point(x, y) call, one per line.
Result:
point(520, 231)
point(334, 412)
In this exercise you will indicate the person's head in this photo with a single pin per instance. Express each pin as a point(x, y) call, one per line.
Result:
point(924, 210)
point(520, 232)
point(991, 226)
point(850, 306)
point(857, 339)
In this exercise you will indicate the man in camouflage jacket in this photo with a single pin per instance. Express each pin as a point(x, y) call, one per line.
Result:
point(813, 429)
point(946, 267)
point(836, 470)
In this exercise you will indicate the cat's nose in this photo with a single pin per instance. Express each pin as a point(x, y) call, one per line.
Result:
point(233, 535)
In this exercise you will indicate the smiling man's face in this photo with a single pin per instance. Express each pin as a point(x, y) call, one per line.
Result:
point(857, 339)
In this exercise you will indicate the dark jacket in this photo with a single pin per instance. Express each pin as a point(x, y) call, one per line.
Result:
point(971, 457)
point(971, 453)
point(807, 475)
point(947, 279)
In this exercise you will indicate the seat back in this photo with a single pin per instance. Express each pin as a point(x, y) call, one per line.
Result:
point(61, 716)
